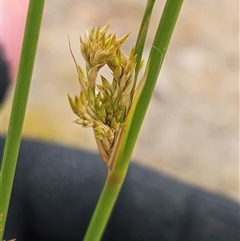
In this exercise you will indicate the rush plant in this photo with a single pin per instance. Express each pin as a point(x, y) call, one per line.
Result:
point(114, 109)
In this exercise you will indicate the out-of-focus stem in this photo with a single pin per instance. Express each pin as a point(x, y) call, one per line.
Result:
point(24, 76)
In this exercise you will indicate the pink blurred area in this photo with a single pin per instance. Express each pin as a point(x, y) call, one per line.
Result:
point(12, 28)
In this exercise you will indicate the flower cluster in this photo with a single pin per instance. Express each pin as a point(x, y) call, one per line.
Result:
point(104, 106)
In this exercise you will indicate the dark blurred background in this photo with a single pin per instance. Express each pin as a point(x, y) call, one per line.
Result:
point(191, 128)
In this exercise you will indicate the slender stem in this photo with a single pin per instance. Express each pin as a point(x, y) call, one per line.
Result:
point(142, 34)
point(123, 150)
point(24, 76)
point(105, 205)
point(115, 178)
point(1, 208)
point(146, 86)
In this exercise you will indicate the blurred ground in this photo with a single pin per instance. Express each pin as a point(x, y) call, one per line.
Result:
point(191, 128)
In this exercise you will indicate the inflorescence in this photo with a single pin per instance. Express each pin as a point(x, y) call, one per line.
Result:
point(104, 106)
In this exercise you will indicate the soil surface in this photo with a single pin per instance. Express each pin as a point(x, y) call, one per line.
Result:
point(191, 128)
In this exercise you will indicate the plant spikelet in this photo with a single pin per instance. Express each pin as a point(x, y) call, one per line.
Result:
point(104, 106)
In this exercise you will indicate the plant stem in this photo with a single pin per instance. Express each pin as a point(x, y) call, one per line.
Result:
point(142, 37)
point(24, 76)
point(146, 86)
point(105, 205)
point(126, 140)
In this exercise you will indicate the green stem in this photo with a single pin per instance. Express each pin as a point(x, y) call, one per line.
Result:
point(146, 86)
point(142, 34)
point(123, 149)
point(24, 76)
point(105, 205)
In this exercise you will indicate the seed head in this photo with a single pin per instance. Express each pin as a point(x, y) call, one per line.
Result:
point(104, 106)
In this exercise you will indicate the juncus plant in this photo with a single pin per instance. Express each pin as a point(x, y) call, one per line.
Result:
point(114, 108)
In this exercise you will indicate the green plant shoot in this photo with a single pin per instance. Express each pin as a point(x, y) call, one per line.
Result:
point(24, 75)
